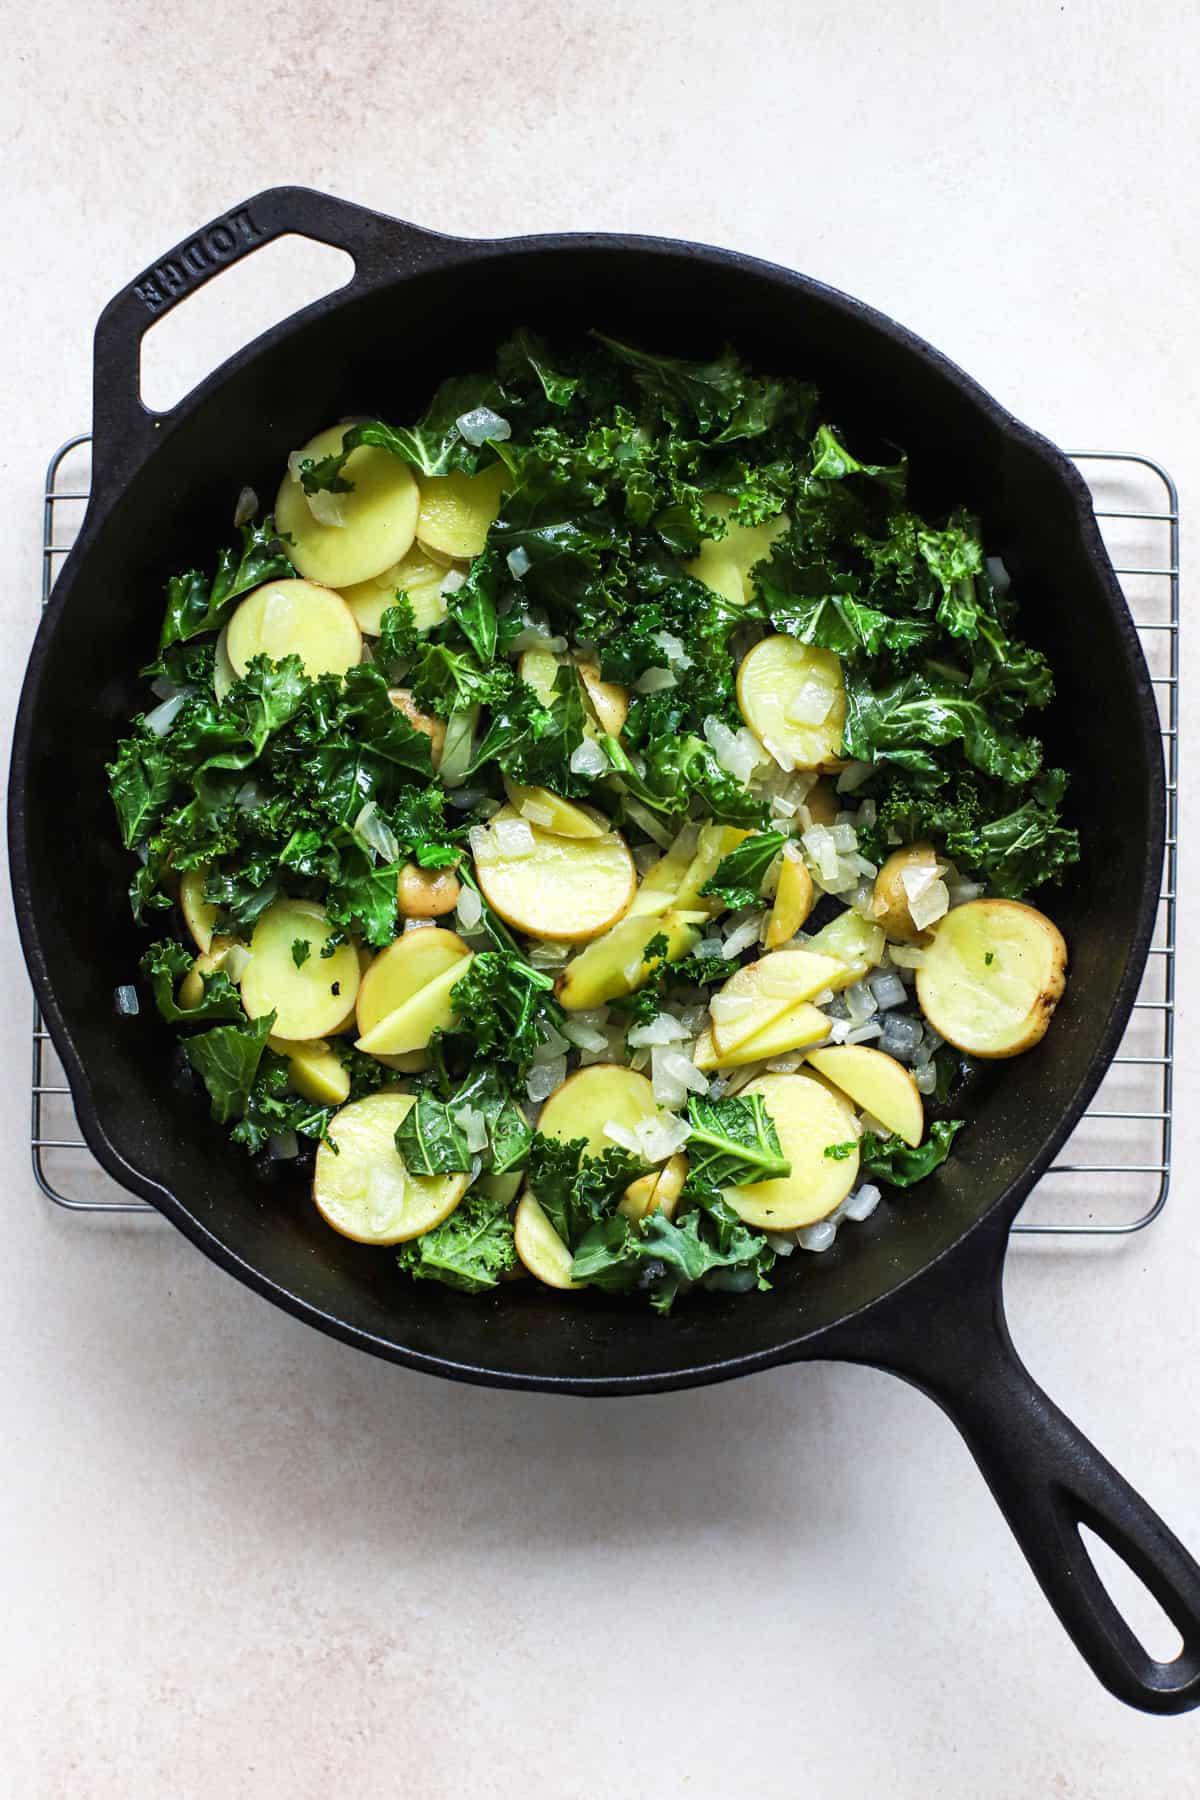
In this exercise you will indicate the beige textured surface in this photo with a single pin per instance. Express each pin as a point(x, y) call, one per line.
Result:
point(243, 1561)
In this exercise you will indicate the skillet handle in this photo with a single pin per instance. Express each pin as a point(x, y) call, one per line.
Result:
point(1046, 1476)
point(124, 429)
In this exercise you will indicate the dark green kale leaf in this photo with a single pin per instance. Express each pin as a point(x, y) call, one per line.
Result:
point(140, 779)
point(891, 1160)
point(732, 1141)
point(429, 1139)
point(470, 1251)
point(662, 1255)
point(506, 1006)
point(227, 1060)
point(399, 638)
point(739, 876)
point(509, 1131)
point(196, 603)
point(575, 1190)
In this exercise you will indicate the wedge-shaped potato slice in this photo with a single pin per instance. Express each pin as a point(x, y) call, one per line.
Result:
point(416, 575)
point(363, 1189)
point(608, 699)
point(309, 1001)
point(877, 1083)
point(564, 889)
point(457, 509)
point(538, 669)
point(809, 1119)
point(759, 992)
point(412, 1025)
point(663, 879)
point(402, 970)
point(794, 1029)
point(992, 977)
point(191, 988)
point(725, 564)
point(199, 915)
point(224, 673)
point(658, 1191)
point(858, 942)
point(792, 698)
point(379, 515)
point(615, 964)
point(539, 1246)
point(715, 841)
point(562, 818)
point(588, 1100)
point(314, 1070)
point(294, 618)
point(794, 895)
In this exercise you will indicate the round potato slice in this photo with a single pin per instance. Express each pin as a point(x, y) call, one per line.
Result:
point(400, 971)
point(456, 510)
point(294, 618)
point(379, 516)
point(564, 889)
point(809, 1118)
point(309, 1001)
point(539, 1246)
point(199, 914)
point(992, 977)
point(792, 698)
point(363, 1189)
point(876, 1082)
point(416, 575)
point(592, 1098)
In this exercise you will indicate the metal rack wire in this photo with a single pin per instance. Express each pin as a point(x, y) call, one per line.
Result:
point(1122, 1146)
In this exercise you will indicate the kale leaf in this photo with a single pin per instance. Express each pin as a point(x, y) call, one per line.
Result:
point(732, 1141)
point(891, 1160)
point(470, 1251)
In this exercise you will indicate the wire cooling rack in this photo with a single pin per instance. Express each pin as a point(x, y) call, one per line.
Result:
point(1115, 1176)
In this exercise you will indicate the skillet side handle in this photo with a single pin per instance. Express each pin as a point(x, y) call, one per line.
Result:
point(123, 428)
point(1048, 1479)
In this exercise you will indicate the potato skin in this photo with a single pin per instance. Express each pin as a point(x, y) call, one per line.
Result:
point(427, 893)
point(890, 906)
point(434, 729)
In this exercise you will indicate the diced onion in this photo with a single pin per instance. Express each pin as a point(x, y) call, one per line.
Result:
point(327, 508)
point(518, 562)
point(930, 905)
point(126, 1001)
point(247, 506)
point(375, 834)
point(160, 720)
point(473, 1125)
point(481, 425)
point(810, 704)
point(452, 580)
point(587, 758)
point(514, 838)
point(543, 1078)
point(536, 813)
point(853, 776)
point(663, 1028)
point(654, 681)
point(817, 1237)
point(469, 910)
point(862, 1202)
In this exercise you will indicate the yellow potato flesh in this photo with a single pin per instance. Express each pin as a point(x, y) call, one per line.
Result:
point(609, 701)
point(757, 994)
point(538, 669)
point(715, 842)
point(799, 1026)
point(364, 1190)
point(402, 970)
point(539, 1246)
point(199, 915)
point(309, 1001)
point(877, 1083)
point(725, 564)
point(809, 1118)
point(992, 977)
point(562, 818)
point(615, 964)
point(658, 1191)
point(191, 988)
point(414, 575)
point(587, 1101)
point(793, 901)
point(412, 1024)
point(224, 673)
point(565, 889)
point(663, 879)
point(294, 618)
point(778, 681)
point(457, 509)
point(380, 516)
point(315, 1072)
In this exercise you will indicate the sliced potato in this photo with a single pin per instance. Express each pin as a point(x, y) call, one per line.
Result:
point(407, 965)
point(809, 1119)
point(858, 942)
point(191, 988)
point(658, 1191)
point(794, 896)
point(725, 564)
point(457, 509)
point(562, 818)
point(224, 673)
point(890, 903)
point(792, 698)
point(565, 889)
point(588, 1100)
point(294, 618)
point(538, 669)
point(412, 1024)
point(759, 992)
point(877, 1083)
point(426, 893)
point(539, 1246)
point(663, 879)
point(379, 516)
point(314, 1070)
point(362, 1187)
point(799, 1026)
point(615, 964)
point(992, 977)
point(309, 1001)
point(715, 841)
point(608, 699)
point(416, 575)
point(199, 914)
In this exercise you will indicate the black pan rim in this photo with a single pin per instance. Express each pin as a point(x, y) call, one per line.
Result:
point(1058, 470)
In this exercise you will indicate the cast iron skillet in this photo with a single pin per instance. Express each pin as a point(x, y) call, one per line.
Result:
point(918, 1289)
